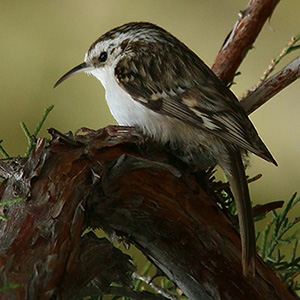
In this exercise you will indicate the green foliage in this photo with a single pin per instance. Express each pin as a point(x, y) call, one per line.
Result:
point(291, 46)
point(30, 137)
point(9, 287)
point(2, 150)
point(277, 233)
point(31, 143)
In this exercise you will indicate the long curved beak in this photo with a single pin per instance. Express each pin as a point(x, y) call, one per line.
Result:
point(80, 68)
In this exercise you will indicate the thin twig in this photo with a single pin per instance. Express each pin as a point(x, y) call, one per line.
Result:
point(158, 289)
point(2, 150)
point(44, 117)
point(291, 46)
point(29, 138)
point(145, 271)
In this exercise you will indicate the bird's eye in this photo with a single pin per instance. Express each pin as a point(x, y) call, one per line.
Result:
point(103, 56)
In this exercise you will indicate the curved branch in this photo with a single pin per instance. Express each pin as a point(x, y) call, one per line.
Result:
point(128, 190)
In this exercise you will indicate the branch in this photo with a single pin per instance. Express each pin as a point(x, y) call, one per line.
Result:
point(239, 42)
point(271, 86)
point(129, 190)
point(42, 250)
point(242, 38)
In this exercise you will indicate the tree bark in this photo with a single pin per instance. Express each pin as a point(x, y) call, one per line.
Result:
point(132, 190)
point(242, 37)
point(129, 190)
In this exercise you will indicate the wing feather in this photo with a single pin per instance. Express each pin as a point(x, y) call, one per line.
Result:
point(183, 87)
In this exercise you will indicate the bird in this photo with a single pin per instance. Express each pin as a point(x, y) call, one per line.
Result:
point(156, 84)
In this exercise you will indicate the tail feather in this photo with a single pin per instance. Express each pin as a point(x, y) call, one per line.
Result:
point(239, 187)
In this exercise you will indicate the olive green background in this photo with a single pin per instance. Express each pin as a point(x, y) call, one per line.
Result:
point(41, 40)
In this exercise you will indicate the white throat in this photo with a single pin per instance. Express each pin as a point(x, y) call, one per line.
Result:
point(124, 109)
point(129, 112)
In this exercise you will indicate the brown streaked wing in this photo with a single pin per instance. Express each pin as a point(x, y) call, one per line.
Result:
point(191, 93)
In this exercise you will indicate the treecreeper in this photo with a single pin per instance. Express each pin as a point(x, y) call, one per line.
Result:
point(157, 84)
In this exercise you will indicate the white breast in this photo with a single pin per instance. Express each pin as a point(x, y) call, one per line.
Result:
point(129, 112)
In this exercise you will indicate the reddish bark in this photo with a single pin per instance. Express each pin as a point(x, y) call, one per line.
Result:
point(132, 191)
point(127, 189)
point(242, 37)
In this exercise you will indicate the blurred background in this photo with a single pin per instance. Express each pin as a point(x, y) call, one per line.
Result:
point(41, 40)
